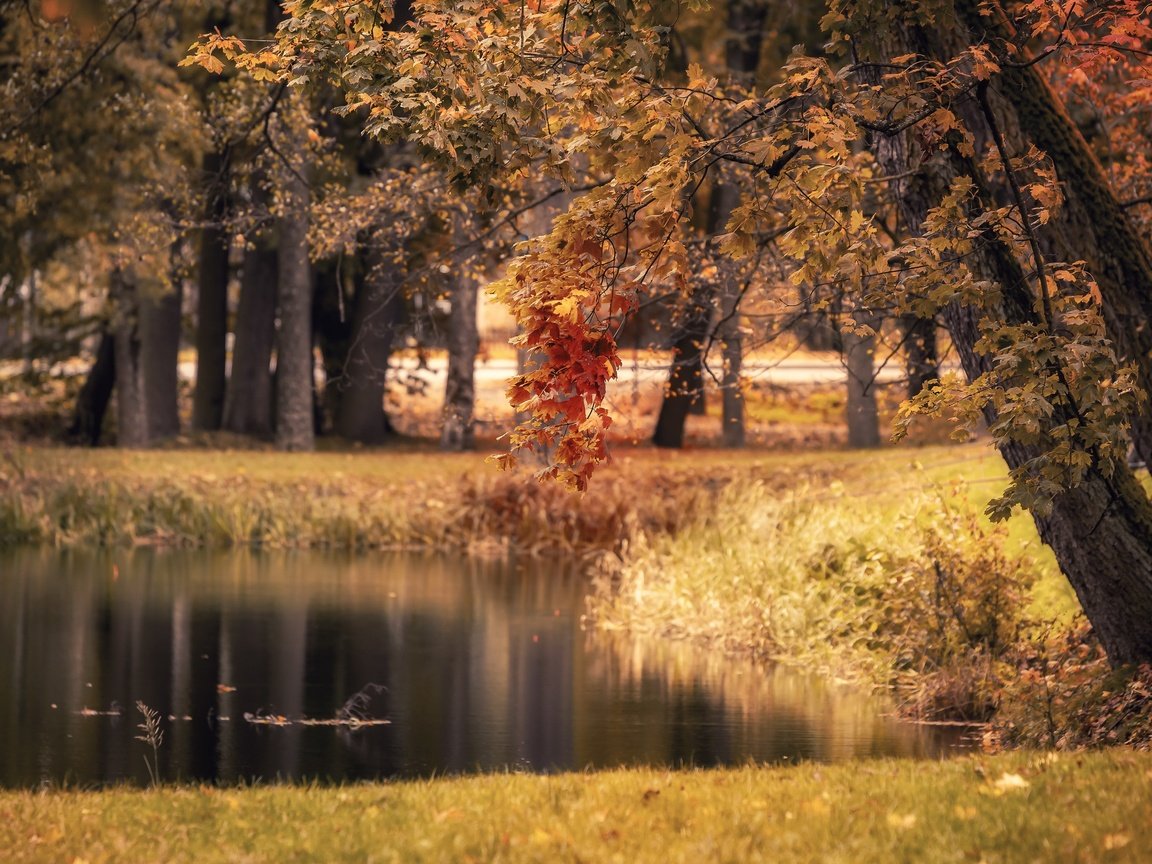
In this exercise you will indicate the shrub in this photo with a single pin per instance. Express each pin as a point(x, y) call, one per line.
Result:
point(1066, 695)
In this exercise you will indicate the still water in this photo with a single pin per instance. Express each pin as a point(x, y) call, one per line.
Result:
point(476, 666)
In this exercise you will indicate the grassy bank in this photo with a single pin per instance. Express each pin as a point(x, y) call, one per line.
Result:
point(874, 566)
point(1017, 807)
point(335, 500)
point(391, 498)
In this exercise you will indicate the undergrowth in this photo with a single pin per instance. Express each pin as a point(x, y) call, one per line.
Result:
point(921, 594)
point(68, 498)
point(925, 597)
point(861, 568)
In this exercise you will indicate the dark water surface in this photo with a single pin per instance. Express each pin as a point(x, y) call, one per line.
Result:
point(478, 666)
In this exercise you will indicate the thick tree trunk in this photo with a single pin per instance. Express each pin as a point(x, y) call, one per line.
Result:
point(920, 363)
point(159, 354)
point(458, 431)
point(734, 431)
point(332, 325)
point(379, 311)
point(131, 409)
point(212, 304)
point(685, 388)
point(1101, 530)
point(248, 405)
point(1092, 226)
point(295, 428)
point(95, 394)
point(859, 358)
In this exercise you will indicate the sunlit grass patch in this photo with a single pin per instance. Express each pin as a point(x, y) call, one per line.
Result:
point(1015, 807)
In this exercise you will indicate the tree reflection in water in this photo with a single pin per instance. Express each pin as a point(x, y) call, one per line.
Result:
point(478, 665)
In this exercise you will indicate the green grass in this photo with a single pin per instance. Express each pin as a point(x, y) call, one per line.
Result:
point(1093, 807)
point(806, 571)
point(399, 497)
point(407, 496)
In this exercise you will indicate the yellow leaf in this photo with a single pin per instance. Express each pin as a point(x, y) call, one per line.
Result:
point(1116, 841)
point(1011, 783)
point(902, 821)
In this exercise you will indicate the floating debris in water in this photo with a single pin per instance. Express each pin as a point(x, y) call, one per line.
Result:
point(112, 711)
point(280, 720)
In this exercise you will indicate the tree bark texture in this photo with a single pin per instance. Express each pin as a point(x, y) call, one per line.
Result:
point(920, 358)
point(1092, 226)
point(458, 431)
point(859, 358)
point(159, 350)
point(685, 388)
point(295, 429)
point(332, 310)
point(131, 410)
point(95, 394)
point(212, 304)
point(734, 432)
point(1101, 530)
point(248, 404)
point(379, 310)
point(725, 199)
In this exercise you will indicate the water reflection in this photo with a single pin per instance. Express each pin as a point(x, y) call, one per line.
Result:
point(482, 666)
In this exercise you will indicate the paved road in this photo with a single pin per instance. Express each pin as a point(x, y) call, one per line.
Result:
point(806, 371)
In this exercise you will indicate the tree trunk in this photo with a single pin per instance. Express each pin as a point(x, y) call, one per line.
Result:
point(159, 354)
point(743, 49)
point(1100, 530)
point(248, 405)
point(28, 327)
point(212, 304)
point(920, 360)
point(94, 396)
point(862, 414)
point(725, 199)
point(379, 310)
point(734, 431)
point(295, 428)
point(331, 314)
point(459, 431)
point(685, 388)
point(131, 409)
point(1092, 226)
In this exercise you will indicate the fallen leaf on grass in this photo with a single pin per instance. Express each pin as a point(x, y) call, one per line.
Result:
point(1116, 841)
point(1010, 783)
point(902, 821)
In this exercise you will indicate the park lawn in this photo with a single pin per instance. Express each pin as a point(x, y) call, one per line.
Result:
point(1016, 807)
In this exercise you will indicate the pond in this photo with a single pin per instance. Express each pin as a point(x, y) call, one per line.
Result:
point(267, 666)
